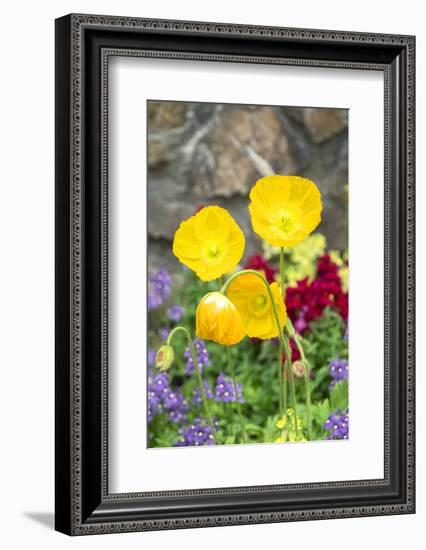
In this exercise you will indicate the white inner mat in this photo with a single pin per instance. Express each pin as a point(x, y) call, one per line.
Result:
point(133, 467)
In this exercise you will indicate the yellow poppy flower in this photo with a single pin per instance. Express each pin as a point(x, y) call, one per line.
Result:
point(285, 209)
point(217, 319)
point(250, 296)
point(210, 243)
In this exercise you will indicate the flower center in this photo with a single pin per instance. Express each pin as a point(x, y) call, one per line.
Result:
point(258, 305)
point(286, 224)
point(213, 252)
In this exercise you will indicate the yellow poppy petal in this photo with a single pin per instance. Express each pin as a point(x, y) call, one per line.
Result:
point(217, 319)
point(271, 191)
point(212, 222)
point(251, 298)
point(260, 327)
point(310, 221)
point(185, 243)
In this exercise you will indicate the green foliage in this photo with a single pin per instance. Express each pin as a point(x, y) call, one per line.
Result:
point(320, 412)
point(339, 396)
point(323, 343)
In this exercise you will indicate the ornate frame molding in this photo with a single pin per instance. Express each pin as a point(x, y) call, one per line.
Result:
point(73, 48)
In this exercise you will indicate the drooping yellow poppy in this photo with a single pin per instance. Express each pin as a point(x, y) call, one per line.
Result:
point(217, 319)
point(285, 209)
point(251, 298)
point(210, 243)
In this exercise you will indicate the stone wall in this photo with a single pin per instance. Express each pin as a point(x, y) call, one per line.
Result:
point(201, 153)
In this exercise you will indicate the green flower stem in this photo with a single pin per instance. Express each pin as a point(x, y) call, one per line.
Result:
point(234, 382)
point(283, 341)
point(297, 339)
point(281, 380)
point(291, 378)
point(282, 286)
point(197, 368)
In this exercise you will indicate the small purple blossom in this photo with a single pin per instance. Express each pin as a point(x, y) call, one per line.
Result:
point(196, 394)
point(196, 434)
point(154, 301)
point(160, 383)
point(175, 312)
point(151, 357)
point(175, 404)
point(201, 353)
point(164, 333)
point(300, 323)
point(163, 398)
point(159, 285)
point(225, 390)
point(337, 424)
point(156, 384)
point(338, 370)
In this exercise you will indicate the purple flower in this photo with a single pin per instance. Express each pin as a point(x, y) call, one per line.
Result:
point(300, 324)
point(338, 425)
point(338, 370)
point(225, 390)
point(196, 434)
point(154, 301)
point(196, 394)
point(160, 383)
point(201, 353)
point(151, 357)
point(175, 312)
point(162, 398)
point(175, 404)
point(159, 288)
point(154, 394)
point(164, 333)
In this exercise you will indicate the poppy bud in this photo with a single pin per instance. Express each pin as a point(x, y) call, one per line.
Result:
point(217, 319)
point(164, 358)
point(299, 369)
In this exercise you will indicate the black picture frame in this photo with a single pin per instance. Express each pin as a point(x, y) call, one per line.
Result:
point(83, 46)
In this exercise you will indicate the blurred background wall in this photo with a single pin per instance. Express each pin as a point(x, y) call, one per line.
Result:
point(201, 153)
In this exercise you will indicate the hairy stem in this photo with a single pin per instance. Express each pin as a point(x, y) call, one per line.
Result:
point(297, 339)
point(282, 287)
point(234, 382)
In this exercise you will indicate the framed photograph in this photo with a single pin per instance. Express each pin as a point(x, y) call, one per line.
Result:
point(234, 274)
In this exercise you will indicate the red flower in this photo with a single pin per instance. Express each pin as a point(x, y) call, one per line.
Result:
point(307, 301)
point(259, 263)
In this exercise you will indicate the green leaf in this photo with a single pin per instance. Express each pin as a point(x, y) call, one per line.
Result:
point(339, 396)
point(254, 429)
point(320, 411)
